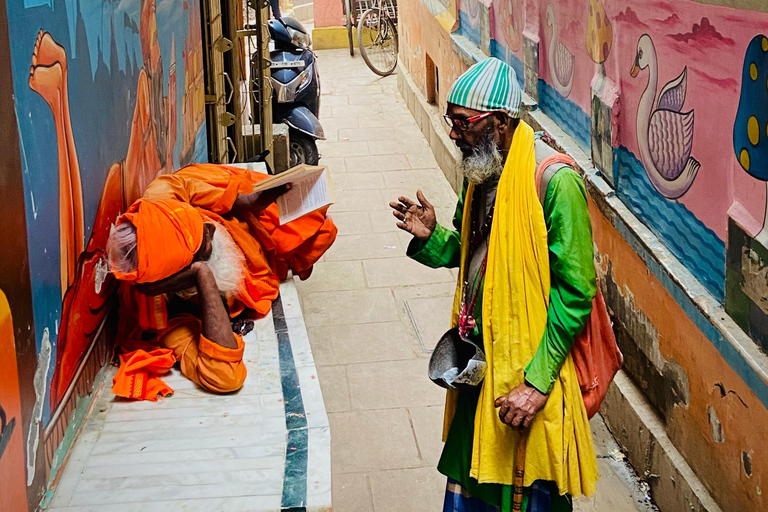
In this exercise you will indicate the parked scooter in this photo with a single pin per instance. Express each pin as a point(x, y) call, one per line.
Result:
point(295, 88)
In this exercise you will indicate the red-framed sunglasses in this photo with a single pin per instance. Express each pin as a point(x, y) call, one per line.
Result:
point(462, 123)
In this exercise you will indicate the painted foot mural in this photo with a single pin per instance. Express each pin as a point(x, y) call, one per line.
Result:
point(48, 77)
point(560, 59)
point(86, 286)
point(664, 134)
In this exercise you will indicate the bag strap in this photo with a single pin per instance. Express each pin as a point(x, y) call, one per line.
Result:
point(547, 169)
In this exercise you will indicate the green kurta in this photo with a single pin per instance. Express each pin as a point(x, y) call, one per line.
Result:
point(573, 286)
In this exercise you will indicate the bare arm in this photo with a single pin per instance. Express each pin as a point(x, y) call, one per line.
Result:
point(216, 323)
point(256, 202)
point(181, 280)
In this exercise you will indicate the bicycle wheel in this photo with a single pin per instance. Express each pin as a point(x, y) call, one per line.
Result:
point(377, 39)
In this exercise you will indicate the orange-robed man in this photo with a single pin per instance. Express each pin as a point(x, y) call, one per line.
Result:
point(199, 248)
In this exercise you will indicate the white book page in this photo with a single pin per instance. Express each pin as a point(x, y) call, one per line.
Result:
point(307, 194)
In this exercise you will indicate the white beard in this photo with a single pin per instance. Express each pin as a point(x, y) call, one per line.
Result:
point(485, 162)
point(227, 263)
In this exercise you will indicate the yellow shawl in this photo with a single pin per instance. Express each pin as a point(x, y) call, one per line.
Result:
point(515, 302)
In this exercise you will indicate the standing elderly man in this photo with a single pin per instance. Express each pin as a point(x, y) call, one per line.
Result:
point(525, 292)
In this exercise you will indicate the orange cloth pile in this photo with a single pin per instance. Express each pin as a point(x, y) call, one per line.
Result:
point(138, 376)
point(168, 219)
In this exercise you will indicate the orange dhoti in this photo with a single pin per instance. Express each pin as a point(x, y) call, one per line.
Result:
point(206, 363)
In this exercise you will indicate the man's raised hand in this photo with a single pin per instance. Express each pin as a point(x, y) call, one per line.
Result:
point(417, 219)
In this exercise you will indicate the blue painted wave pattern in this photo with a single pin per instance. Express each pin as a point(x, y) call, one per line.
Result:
point(696, 246)
point(502, 53)
point(571, 118)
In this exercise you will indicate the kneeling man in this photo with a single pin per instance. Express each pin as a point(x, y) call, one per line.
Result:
point(196, 250)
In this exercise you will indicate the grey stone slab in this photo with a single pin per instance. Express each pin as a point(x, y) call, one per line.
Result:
point(358, 181)
point(402, 272)
point(360, 343)
point(428, 427)
point(357, 110)
point(385, 120)
point(387, 162)
point(384, 221)
point(332, 276)
point(343, 149)
point(349, 307)
point(431, 317)
point(359, 201)
point(392, 384)
point(400, 147)
point(335, 387)
point(374, 99)
point(338, 123)
point(359, 247)
point(372, 440)
point(412, 490)
point(335, 164)
point(368, 134)
point(423, 160)
point(351, 493)
point(352, 223)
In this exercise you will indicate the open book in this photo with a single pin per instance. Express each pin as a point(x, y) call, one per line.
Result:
point(311, 189)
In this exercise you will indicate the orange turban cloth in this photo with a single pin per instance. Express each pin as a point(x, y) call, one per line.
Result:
point(168, 232)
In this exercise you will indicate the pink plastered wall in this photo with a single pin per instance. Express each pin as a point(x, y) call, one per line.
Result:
point(329, 13)
point(710, 41)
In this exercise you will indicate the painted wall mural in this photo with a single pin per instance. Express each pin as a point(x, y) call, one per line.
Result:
point(13, 494)
point(108, 94)
point(561, 60)
point(679, 90)
point(664, 133)
point(750, 130)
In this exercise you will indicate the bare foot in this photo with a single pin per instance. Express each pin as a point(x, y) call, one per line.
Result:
point(48, 72)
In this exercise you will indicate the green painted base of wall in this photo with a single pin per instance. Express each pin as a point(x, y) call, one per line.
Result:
point(332, 38)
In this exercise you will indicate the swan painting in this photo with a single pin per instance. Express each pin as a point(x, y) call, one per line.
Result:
point(560, 59)
point(665, 135)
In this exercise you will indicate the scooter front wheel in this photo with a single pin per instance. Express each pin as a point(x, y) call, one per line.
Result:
point(303, 149)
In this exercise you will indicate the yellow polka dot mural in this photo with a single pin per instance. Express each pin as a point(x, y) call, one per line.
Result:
point(753, 131)
point(750, 130)
point(599, 32)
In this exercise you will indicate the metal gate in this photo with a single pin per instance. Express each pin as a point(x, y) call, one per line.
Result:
point(235, 33)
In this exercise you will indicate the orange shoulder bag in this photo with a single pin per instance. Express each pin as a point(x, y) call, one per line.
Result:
point(595, 353)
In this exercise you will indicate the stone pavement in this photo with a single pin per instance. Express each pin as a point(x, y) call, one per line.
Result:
point(372, 314)
point(265, 448)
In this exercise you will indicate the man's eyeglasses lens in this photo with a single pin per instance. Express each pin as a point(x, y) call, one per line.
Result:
point(457, 122)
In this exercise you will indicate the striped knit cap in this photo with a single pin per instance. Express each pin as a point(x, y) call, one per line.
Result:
point(489, 85)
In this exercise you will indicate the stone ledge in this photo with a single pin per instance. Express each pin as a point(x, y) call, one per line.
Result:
point(640, 432)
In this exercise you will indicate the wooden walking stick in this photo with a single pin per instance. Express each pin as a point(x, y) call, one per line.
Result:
point(517, 498)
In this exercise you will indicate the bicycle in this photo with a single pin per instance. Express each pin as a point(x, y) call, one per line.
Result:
point(377, 35)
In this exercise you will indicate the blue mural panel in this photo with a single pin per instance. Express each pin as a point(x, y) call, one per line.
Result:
point(108, 95)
